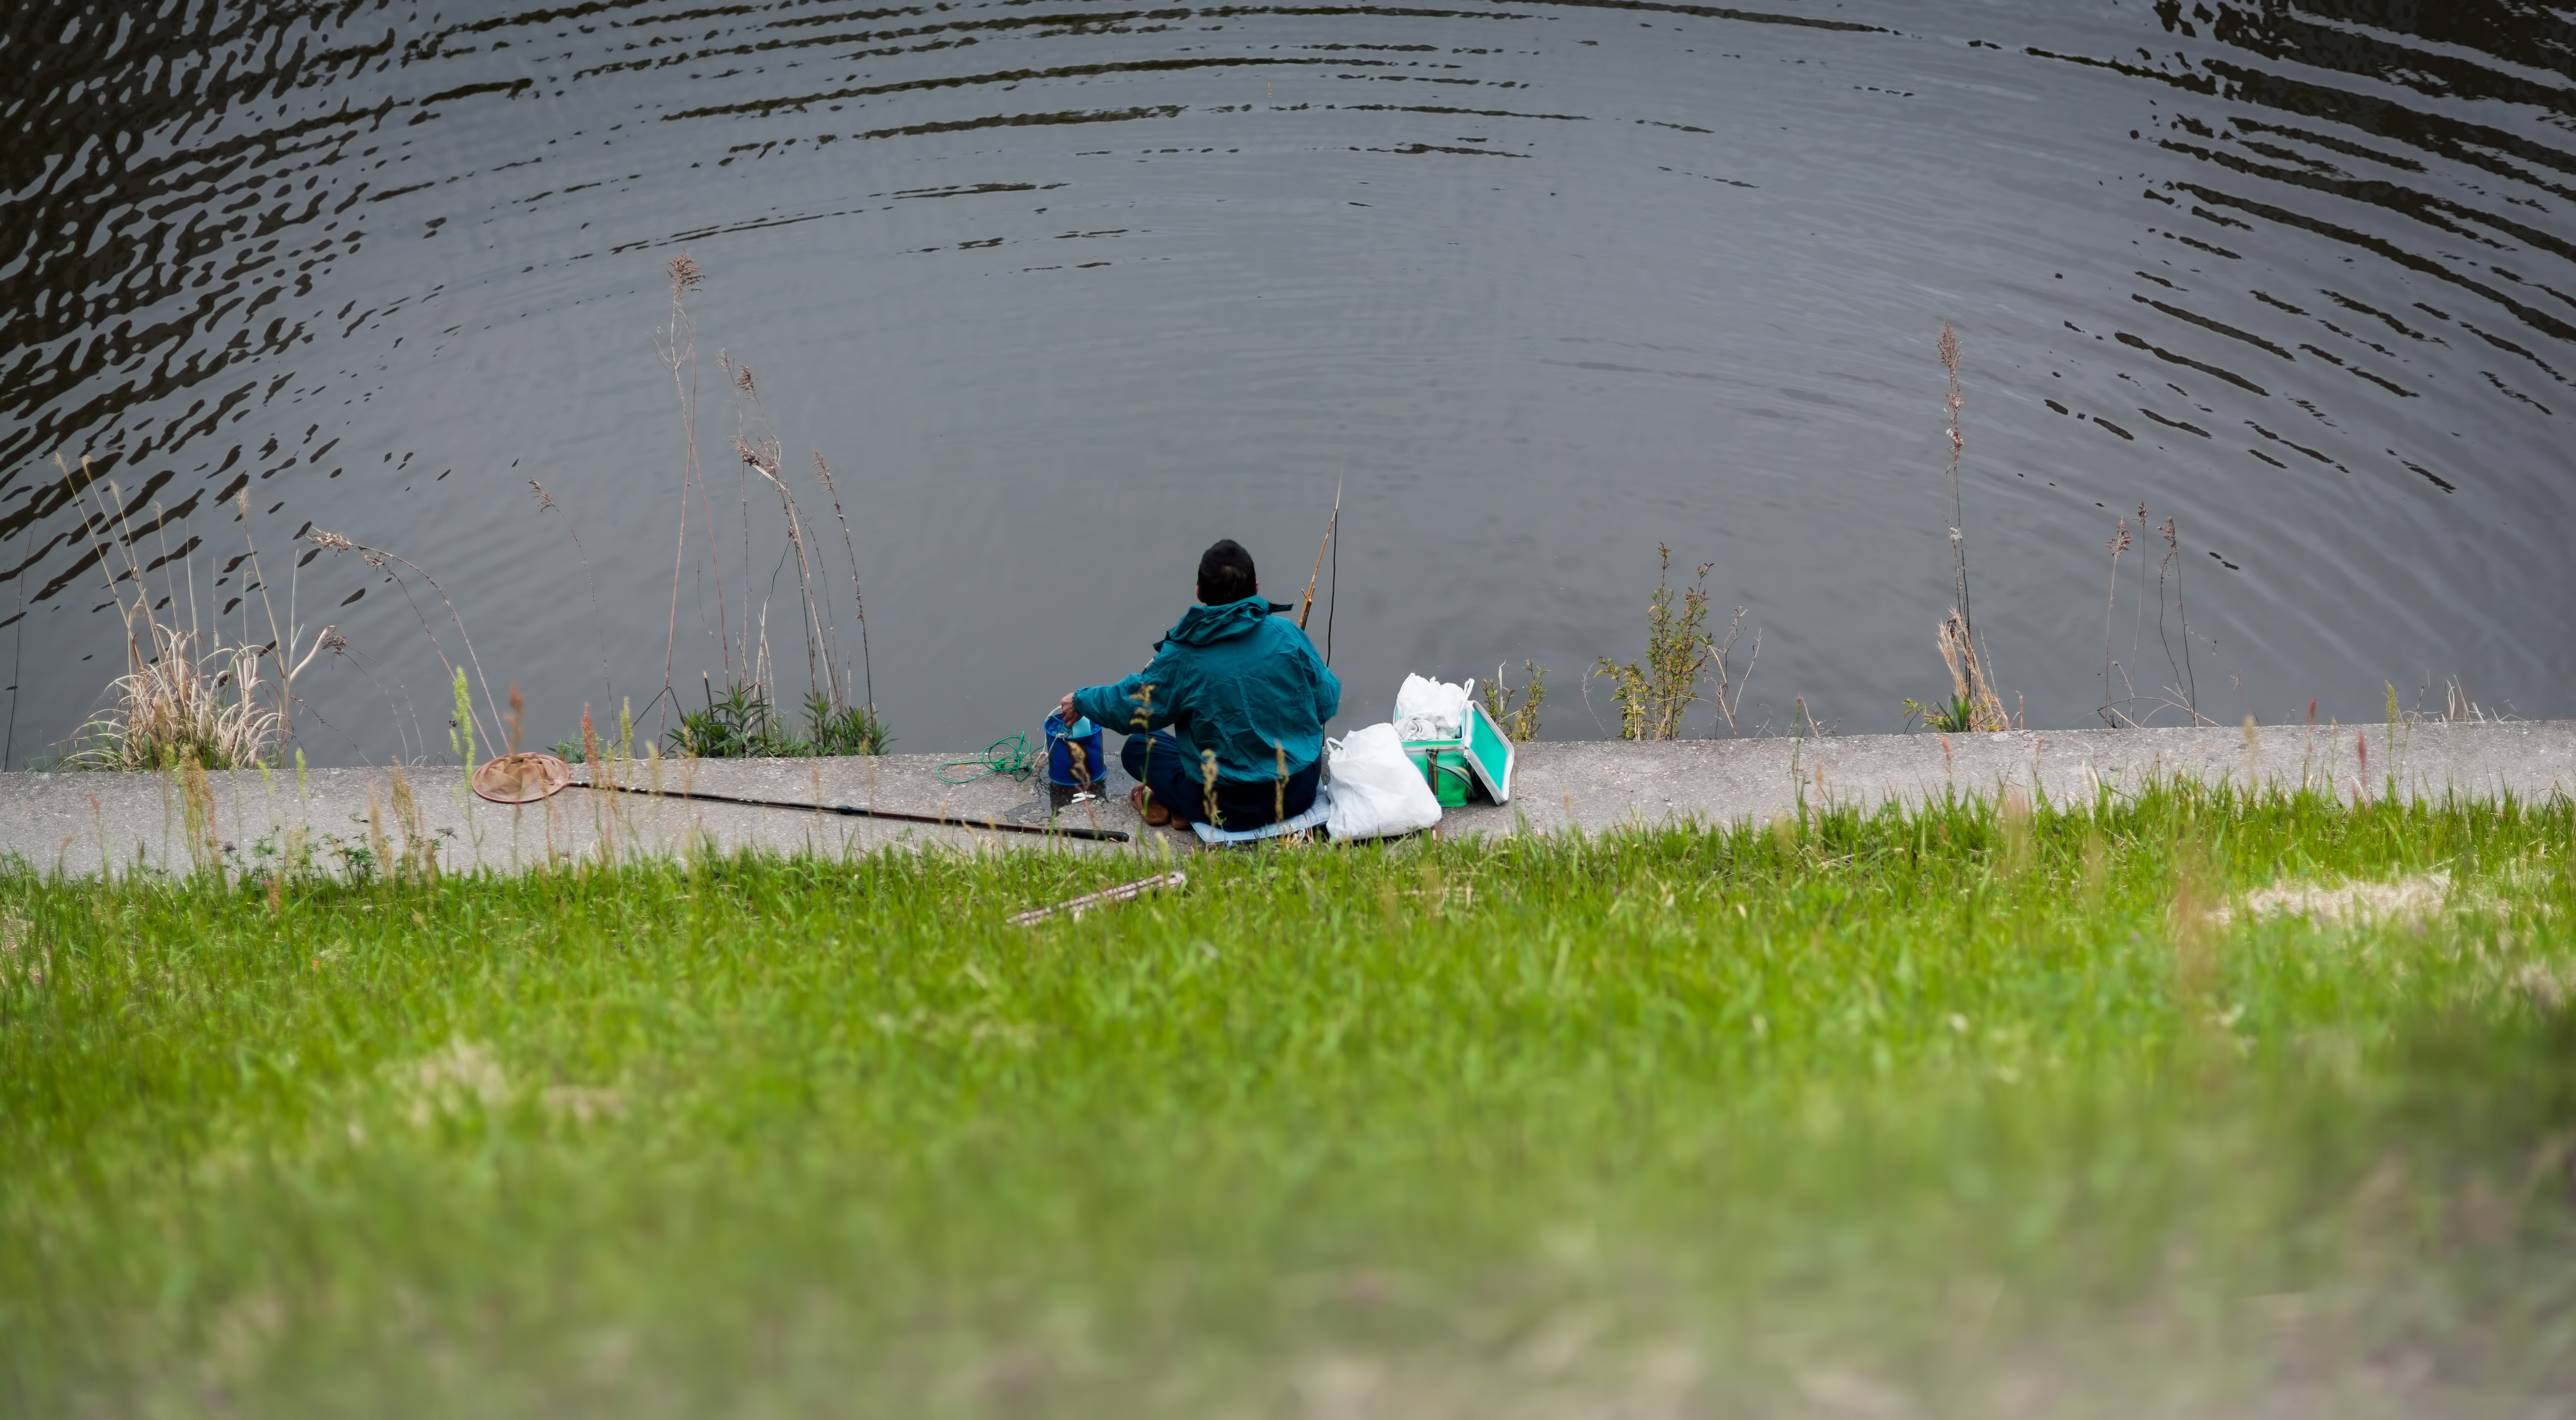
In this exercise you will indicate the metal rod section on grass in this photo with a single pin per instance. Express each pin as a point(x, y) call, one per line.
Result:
point(1095, 835)
point(1121, 893)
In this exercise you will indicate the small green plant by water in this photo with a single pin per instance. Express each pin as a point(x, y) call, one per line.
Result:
point(1655, 695)
point(743, 725)
point(1515, 709)
point(1956, 718)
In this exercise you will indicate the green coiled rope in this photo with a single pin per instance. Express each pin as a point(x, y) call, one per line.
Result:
point(1006, 756)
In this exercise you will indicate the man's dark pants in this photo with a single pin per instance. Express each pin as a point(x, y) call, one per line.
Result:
point(1173, 773)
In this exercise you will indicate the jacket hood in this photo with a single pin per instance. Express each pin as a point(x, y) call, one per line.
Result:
point(1205, 625)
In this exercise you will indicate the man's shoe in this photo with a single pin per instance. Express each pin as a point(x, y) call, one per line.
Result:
point(1155, 815)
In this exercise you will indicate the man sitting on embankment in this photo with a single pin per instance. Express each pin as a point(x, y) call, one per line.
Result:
point(1240, 689)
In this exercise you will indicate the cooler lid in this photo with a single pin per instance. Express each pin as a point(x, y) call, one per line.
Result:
point(1489, 752)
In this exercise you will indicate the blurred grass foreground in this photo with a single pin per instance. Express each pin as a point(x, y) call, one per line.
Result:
point(2190, 1104)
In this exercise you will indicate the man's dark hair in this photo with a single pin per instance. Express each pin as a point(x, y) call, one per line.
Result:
point(1225, 573)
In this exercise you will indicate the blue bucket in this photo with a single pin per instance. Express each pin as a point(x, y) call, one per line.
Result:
point(1061, 744)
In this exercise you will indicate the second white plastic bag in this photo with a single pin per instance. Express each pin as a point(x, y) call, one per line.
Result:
point(1427, 709)
point(1377, 792)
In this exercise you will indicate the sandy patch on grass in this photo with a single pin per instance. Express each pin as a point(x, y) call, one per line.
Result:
point(467, 1073)
point(2343, 904)
point(446, 1081)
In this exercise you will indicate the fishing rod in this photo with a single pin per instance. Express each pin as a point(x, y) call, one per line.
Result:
point(1330, 524)
point(1336, 587)
point(1096, 835)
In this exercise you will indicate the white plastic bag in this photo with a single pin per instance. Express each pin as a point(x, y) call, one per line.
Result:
point(1377, 793)
point(1431, 710)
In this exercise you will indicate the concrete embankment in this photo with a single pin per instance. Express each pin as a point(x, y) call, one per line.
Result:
point(74, 822)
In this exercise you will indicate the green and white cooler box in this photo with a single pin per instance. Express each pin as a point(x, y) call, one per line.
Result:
point(1478, 764)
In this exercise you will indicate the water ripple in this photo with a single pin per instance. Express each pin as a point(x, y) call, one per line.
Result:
point(2300, 271)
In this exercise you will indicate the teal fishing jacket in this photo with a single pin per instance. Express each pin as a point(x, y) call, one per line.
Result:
point(1235, 679)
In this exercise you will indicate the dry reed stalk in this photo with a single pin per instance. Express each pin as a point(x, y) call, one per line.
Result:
point(838, 725)
point(678, 347)
point(2119, 544)
point(2460, 707)
point(1948, 347)
point(283, 642)
point(384, 561)
point(1730, 688)
point(762, 453)
point(197, 808)
point(1968, 675)
point(1975, 703)
point(604, 816)
point(2128, 707)
point(598, 619)
point(376, 829)
point(2171, 566)
point(169, 690)
point(419, 857)
point(858, 602)
point(17, 665)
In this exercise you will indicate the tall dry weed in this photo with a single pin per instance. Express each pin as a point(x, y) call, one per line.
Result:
point(1975, 703)
point(2123, 704)
point(181, 705)
point(678, 347)
point(1971, 690)
point(417, 860)
point(188, 696)
point(1948, 348)
point(395, 566)
point(203, 829)
point(839, 699)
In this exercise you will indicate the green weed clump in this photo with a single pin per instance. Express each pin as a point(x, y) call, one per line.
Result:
point(742, 725)
point(1515, 711)
point(1991, 1108)
point(1654, 696)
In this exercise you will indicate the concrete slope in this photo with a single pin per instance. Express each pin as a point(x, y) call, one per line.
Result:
point(74, 822)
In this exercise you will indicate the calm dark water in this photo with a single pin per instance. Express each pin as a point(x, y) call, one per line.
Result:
point(1066, 290)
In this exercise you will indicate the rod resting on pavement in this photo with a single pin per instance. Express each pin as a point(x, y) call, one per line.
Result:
point(1096, 835)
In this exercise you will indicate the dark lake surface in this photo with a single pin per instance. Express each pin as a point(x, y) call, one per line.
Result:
point(1064, 291)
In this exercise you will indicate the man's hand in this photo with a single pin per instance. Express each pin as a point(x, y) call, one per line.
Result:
point(1064, 710)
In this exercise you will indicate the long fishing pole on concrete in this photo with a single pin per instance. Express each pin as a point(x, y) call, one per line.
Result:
point(1096, 835)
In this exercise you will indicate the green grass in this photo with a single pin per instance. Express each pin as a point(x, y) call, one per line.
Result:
point(1959, 1113)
